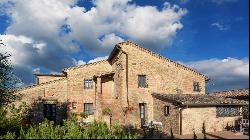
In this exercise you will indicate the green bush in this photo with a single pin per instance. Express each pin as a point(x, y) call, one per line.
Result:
point(9, 135)
point(97, 130)
point(72, 130)
point(245, 111)
point(9, 122)
point(106, 111)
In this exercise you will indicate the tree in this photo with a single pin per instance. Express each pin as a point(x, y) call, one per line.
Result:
point(8, 80)
point(245, 111)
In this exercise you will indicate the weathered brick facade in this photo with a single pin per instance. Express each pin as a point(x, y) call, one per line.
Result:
point(194, 117)
point(53, 92)
point(115, 85)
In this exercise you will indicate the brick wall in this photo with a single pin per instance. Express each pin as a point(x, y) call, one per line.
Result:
point(36, 96)
point(169, 121)
point(162, 77)
point(76, 90)
point(193, 118)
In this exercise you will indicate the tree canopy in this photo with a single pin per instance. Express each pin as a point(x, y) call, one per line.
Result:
point(8, 80)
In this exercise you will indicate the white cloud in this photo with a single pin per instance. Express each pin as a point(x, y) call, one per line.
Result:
point(54, 72)
point(27, 53)
point(79, 62)
point(98, 59)
point(109, 40)
point(46, 33)
point(36, 70)
point(229, 73)
point(118, 18)
point(220, 26)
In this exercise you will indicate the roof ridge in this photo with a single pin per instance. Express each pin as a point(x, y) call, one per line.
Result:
point(189, 99)
point(49, 74)
point(229, 90)
point(161, 57)
point(83, 65)
point(31, 86)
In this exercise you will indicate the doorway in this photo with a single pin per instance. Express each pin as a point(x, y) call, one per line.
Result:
point(142, 107)
point(50, 112)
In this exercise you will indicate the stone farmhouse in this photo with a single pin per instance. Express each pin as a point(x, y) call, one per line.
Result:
point(138, 86)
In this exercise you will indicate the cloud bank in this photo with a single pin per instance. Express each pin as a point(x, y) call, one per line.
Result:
point(47, 34)
point(224, 74)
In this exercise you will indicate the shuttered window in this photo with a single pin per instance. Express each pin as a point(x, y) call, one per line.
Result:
point(88, 108)
point(142, 81)
point(196, 86)
point(88, 84)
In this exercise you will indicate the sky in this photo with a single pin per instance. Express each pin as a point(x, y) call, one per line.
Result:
point(210, 36)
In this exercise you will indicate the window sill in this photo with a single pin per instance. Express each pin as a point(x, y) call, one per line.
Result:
point(143, 87)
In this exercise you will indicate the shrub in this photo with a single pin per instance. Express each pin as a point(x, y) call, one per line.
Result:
point(10, 119)
point(83, 115)
point(44, 130)
point(72, 130)
point(245, 111)
point(9, 135)
point(97, 130)
point(106, 111)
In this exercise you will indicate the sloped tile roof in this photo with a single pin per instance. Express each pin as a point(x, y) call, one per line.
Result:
point(35, 85)
point(84, 65)
point(196, 100)
point(232, 93)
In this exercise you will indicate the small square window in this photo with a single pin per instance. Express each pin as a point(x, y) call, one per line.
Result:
point(142, 81)
point(88, 84)
point(74, 105)
point(88, 108)
point(166, 110)
point(196, 86)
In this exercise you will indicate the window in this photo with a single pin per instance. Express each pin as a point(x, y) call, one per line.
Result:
point(74, 105)
point(142, 81)
point(196, 86)
point(166, 110)
point(227, 111)
point(88, 83)
point(50, 111)
point(88, 108)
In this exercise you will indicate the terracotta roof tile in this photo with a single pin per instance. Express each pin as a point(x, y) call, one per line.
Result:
point(231, 93)
point(194, 99)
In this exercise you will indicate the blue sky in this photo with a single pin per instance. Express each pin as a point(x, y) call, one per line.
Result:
point(210, 36)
